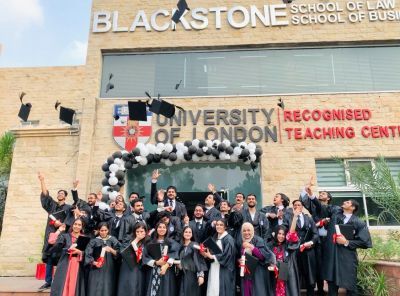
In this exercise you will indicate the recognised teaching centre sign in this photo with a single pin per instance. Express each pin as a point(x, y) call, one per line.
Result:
point(238, 17)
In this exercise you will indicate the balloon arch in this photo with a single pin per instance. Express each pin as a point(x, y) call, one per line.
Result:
point(170, 154)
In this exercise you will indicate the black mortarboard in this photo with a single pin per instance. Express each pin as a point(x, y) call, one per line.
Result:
point(109, 84)
point(137, 111)
point(67, 115)
point(163, 108)
point(154, 250)
point(128, 254)
point(182, 5)
point(25, 109)
point(210, 244)
point(82, 242)
point(281, 104)
point(251, 263)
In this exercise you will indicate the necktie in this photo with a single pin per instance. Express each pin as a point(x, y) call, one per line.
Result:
point(198, 225)
point(140, 218)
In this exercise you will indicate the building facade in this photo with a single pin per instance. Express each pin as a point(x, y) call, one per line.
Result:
point(335, 65)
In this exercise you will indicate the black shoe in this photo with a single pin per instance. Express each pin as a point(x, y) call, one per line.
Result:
point(44, 287)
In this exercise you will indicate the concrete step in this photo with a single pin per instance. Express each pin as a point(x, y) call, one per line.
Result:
point(21, 286)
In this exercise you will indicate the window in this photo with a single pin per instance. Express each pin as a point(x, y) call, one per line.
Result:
point(335, 177)
point(252, 72)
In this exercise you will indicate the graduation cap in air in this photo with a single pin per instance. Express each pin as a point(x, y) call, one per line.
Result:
point(66, 114)
point(109, 85)
point(162, 107)
point(25, 109)
point(137, 111)
point(182, 7)
point(281, 104)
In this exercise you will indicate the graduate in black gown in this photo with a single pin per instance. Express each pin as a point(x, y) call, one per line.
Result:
point(68, 279)
point(255, 279)
point(132, 277)
point(285, 245)
point(221, 276)
point(102, 280)
point(162, 280)
point(192, 265)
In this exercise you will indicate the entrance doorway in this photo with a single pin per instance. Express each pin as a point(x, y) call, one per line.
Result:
point(192, 178)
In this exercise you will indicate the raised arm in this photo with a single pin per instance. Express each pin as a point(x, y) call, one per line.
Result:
point(42, 184)
point(153, 192)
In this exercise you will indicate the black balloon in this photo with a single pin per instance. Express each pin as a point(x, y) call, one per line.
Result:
point(126, 156)
point(128, 165)
point(221, 147)
point(157, 158)
point(245, 153)
point(172, 156)
point(257, 159)
point(229, 150)
point(234, 144)
point(121, 182)
point(136, 152)
point(105, 167)
point(215, 153)
point(110, 160)
point(187, 143)
point(208, 151)
point(117, 154)
point(116, 187)
point(253, 165)
point(192, 149)
point(165, 155)
point(187, 156)
point(258, 152)
point(120, 175)
point(134, 161)
point(150, 158)
point(199, 152)
point(107, 174)
point(174, 148)
point(202, 144)
point(104, 182)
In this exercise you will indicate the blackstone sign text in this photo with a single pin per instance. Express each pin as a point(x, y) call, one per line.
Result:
point(269, 15)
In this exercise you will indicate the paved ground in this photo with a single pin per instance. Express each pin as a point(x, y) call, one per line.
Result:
point(19, 284)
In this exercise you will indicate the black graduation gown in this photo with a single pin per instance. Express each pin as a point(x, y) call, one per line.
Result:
point(274, 223)
point(260, 278)
point(290, 257)
point(227, 266)
point(192, 263)
point(200, 232)
point(64, 242)
point(132, 281)
point(341, 262)
point(127, 223)
point(51, 206)
point(306, 260)
point(180, 208)
point(167, 281)
point(102, 280)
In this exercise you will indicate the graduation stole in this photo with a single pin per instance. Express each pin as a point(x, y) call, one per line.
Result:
point(101, 260)
point(138, 251)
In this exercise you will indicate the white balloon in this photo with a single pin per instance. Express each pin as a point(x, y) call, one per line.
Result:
point(252, 151)
point(160, 146)
point(140, 146)
point(195, 158)
point(222, 155)
point(209, 143)
point(158, 151)
point(228, 157)
point(185, 149)
point(251, 146)
point(205, 148)
point(113, 195)
point(135, 166)
point(253, 157)
point(204, 158)
point(234, 158)
point(122, 167)
point(196, 142)
point(168, 147)
point(113, 181)
point(211, 158)
point(216, 142)
point(104, 190)
point(143, 161)
point(144, 152)
point(227, 142)
point(112, 174)
point(247, 162)
point(118, 161)
point(179, 154)
point(237, 150)
point(179, 146)
point(168, 162)
point(124, 152)
point(244, 144)
point(113, 168)
point(138, 158)
point(151, 148)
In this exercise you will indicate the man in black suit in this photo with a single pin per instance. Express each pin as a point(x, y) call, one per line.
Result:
point(199, 225)
point(171, 204)
point(258, 220)
point(279, 211)
point(211, 213)
point(128, 221)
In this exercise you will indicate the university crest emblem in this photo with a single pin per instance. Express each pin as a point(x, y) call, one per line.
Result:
point(128, 133)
